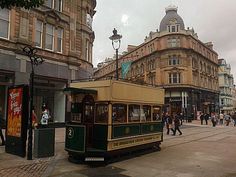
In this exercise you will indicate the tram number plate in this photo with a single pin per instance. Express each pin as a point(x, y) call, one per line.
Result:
point(87, 159)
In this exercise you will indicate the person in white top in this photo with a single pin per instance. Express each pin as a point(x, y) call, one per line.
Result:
point(221, 118)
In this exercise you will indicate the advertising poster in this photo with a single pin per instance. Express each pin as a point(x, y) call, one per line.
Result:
point(14, 118)
point(17, 119)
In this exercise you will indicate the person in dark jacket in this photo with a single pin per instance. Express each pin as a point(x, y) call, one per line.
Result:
point(177, 125)
point(1, 126)
point(206, 117)
point(168, 120)
point(202, 118)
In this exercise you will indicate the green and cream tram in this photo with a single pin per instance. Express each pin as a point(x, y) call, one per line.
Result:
point(112, 117)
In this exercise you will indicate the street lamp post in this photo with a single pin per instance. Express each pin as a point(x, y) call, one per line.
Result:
point(115, 38)
point(35, 61)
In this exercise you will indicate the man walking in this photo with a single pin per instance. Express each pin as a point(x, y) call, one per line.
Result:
point(227, 119)
point(206, 117)
point(177, 125)
point(202, 118)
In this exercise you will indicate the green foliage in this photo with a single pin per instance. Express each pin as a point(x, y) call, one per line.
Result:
point(27, 4)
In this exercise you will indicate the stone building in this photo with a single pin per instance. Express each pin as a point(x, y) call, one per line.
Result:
point(61, 30)
point(226, 85)
point(174, 58)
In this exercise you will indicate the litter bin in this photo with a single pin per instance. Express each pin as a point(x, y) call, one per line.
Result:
point(44, 142)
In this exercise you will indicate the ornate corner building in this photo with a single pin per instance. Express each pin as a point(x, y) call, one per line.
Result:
point(226, 84)
point(174, 58)
point(61, 30)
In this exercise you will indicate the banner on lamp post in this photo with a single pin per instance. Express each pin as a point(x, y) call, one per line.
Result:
point(125, 68)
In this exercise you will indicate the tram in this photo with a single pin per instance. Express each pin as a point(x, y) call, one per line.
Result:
point(111, 117)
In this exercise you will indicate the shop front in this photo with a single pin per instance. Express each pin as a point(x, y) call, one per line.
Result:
point(48, 93)
point(6, 80)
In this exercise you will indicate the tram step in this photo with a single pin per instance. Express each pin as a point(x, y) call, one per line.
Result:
point(94, 159)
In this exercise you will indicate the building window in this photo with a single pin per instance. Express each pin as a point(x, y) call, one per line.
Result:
point(59, 39)
point(177, 28)
point(87, 50)
point(168, 29)
point(173, 42)
point(152, 79)
point(172, 28)
point(89, 21)
point(39, 33)
point(174, 61)
point(58, 5)
point(222, 101)
point(4, 23)
point(54, 4)
point(49, 3)
point(174, 78)
point(49, 37)
point(142, 68)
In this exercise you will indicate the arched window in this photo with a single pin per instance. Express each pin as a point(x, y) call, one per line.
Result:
point(142, 68)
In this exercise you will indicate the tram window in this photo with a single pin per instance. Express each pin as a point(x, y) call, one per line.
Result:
point(134, 113)
point(156, 113)
point(88, 113)
point(101, 113)
point(146, 113)
point(119, 113)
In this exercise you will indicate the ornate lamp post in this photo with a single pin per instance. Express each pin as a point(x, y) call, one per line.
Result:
point(35, 61)
point(115, 38)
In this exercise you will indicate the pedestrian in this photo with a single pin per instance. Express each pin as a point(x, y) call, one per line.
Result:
point(206, 117)
point(213, 119)
point(169, 122)
point(202, 118)
point(227, 119)
point(177, 125)
point(234, 118)
point(221, 117)
point(1, 127)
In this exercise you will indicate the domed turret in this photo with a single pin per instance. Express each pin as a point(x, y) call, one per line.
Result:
point(172, 22)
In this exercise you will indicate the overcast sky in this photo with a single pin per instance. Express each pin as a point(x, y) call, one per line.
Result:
point(212, 20)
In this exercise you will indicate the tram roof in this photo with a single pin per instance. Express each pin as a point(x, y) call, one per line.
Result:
point(79, 90)
point(115, 90)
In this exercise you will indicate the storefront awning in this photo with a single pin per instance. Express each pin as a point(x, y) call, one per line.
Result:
point(72, 90)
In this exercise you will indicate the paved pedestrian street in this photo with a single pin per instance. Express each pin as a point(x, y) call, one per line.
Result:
point(202, 151)
point(35, 169)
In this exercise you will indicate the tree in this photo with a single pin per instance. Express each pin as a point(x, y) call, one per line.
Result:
point(27, 4)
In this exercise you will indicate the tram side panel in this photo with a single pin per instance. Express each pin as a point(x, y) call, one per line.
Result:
point(100, 137)
point(75, 138)
point(135, 135)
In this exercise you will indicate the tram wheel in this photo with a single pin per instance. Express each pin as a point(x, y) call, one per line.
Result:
point(75, 160)
point(157, 147)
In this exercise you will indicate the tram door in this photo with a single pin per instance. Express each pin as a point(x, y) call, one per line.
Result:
point(88, 118)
